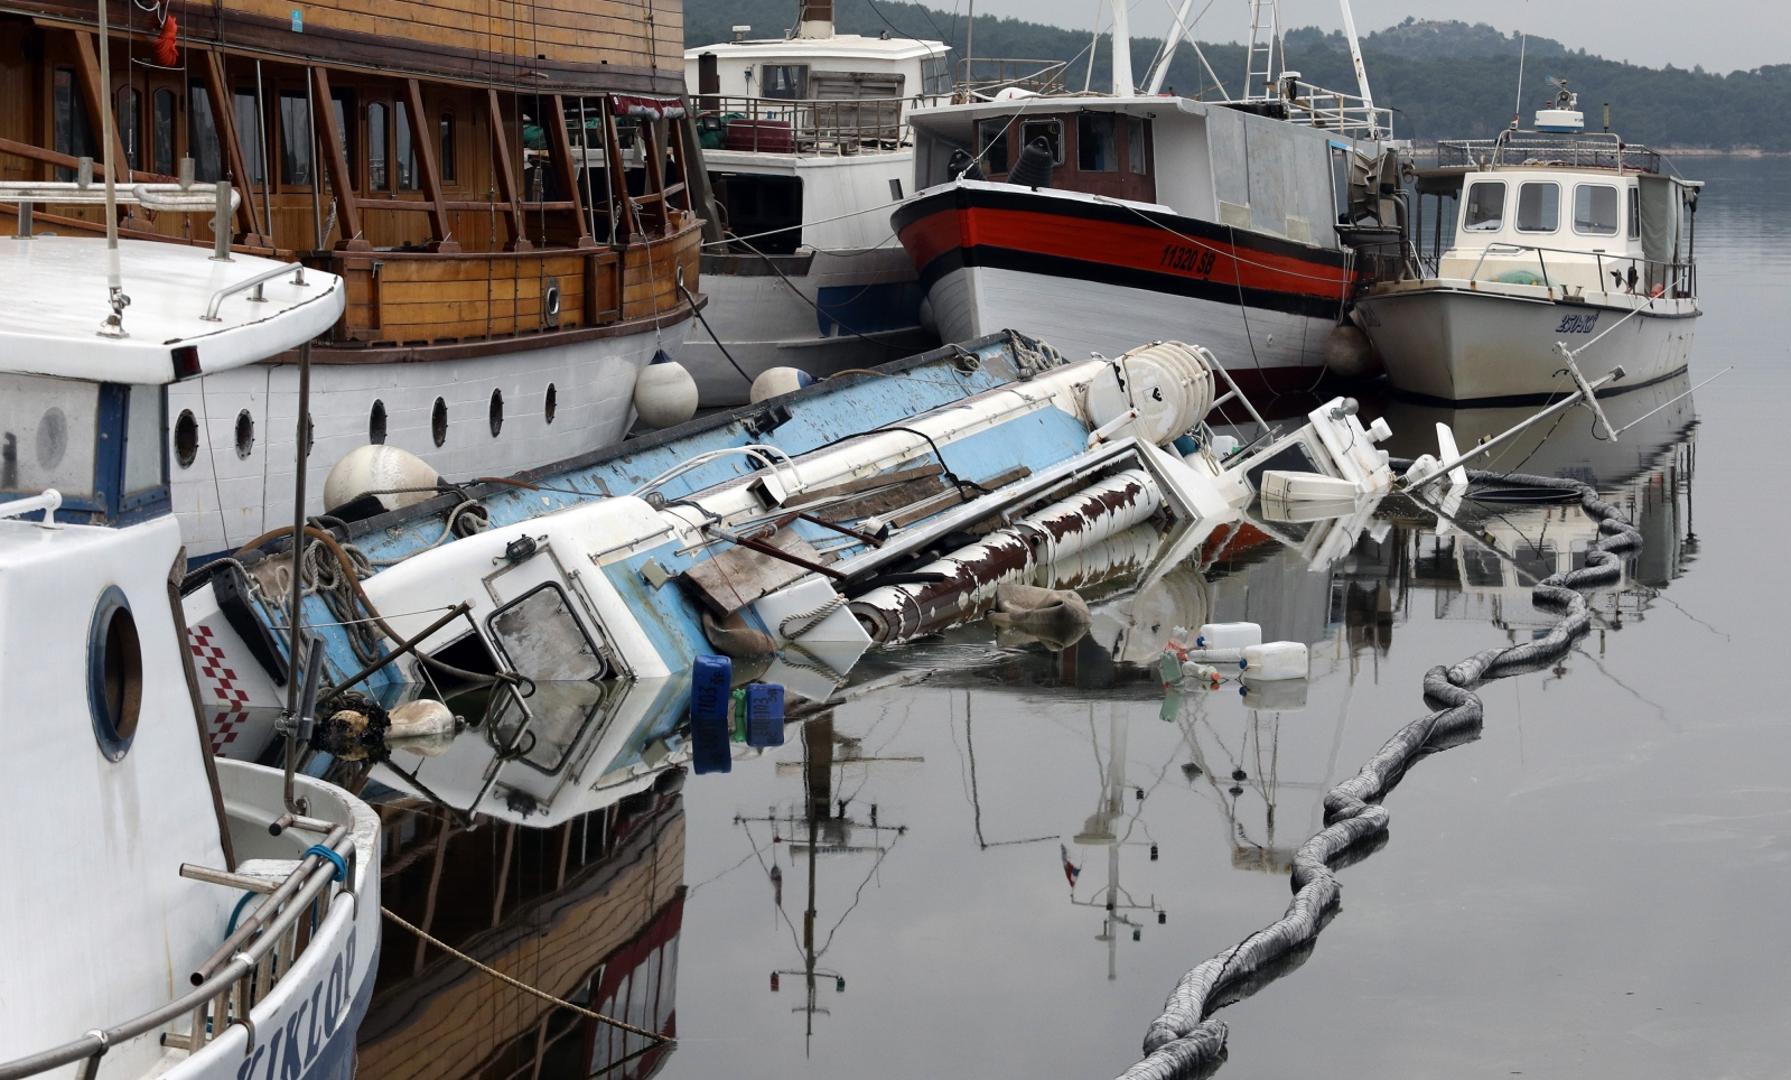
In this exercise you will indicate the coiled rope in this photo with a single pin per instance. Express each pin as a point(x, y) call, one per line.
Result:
point(1183, 1041)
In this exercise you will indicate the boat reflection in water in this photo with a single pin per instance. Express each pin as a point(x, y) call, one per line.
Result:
point(551, 850)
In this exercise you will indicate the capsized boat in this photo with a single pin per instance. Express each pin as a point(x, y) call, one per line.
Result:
point(863, 510)
point(1099, 220)
point(1560, 241)
point(168, 914)
point(806, 142)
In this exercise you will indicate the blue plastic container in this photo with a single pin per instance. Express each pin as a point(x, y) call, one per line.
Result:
point(764, 715)
point(710, 680)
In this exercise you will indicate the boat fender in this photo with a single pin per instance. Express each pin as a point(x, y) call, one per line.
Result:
point(1057, 617)
point(396, 478)
point(1348, 353)
point(710, 679)
point(778, 381)
point(419, 718)
point(353, 727)
point(1033, 168)
point(664, 393)
point(734, 637)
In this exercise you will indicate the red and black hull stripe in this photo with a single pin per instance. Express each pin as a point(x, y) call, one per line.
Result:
point(1037, 233)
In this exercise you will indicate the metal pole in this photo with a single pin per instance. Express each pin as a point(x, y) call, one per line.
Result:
point(404, 647)
point(295, 618)
point(267, 197)
point(1461, 459)
point(316, 172)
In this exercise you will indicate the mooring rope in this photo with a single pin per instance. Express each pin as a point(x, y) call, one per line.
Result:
point(525, 987)
point(1183, 1041)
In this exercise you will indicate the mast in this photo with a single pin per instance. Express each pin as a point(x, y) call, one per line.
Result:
point(1122, 52)
point(1355, 55)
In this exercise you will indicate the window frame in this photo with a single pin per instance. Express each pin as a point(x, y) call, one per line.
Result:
point(172, 165)
point(283, 94)
point(801, 89)
point(384, 156)
point(1138, 129)
point(447, 135)
point(1085, 119)
point(1518, 218)
point(1057, 143)
point(1467, 205)
point(1616, 228)
point(130, 130)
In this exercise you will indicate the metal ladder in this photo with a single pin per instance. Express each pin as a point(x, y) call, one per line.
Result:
point(1259, 60)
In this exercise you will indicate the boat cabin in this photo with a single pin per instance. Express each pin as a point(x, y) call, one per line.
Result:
point(1571, 212)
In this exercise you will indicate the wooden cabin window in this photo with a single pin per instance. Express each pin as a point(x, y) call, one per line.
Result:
point(1096, 143)
point(991, 138)
point(161, 136)
point(406, 154)
point(447, 159)
point(72, 133)
point(296, 166)
point(377, 127)
point(202, 137)
point(342, 101)
point(1049, 130)
point(1138, 145)
point(130, 131)
point(249, 133)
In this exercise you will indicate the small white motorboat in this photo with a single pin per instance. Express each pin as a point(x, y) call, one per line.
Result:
point(165, 913)
point(1561, 237)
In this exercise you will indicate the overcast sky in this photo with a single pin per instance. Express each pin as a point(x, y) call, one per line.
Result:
point(1721, 35)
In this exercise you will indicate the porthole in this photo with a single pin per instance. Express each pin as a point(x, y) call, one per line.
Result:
point(186, 439)
point(114, 674)
point(438, 421)
point(550, 304)
point(497, 412)
point(553, 402)
point(376, 424)
point(245, 434)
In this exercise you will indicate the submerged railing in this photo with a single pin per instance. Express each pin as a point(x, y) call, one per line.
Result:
point(241, 972)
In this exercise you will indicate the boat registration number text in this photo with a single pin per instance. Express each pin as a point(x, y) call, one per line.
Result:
point(1187, 259)
point(1578, 324)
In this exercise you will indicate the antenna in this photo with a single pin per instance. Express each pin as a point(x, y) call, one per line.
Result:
point(1517, 107)
point(114, 324)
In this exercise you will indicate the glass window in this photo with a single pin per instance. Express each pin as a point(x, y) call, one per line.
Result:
point(130, 131)
point(788, 81)
point(1595, 209)
point(1635, 213)
point(295, 139)
point(249, 134)
point(447, 161)
point(1138, 144)
point(406, 155)
point(342, 101)
point(991, 138)
point(377, 178)
point(1539, 207)
point(1095, 142)
point(202, 138)
point(1049, 130)
point(1485, 210)
point(935, 75)
point(73, 135)
point(161, 136)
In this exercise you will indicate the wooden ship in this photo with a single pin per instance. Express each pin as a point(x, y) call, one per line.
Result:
point(502, 187)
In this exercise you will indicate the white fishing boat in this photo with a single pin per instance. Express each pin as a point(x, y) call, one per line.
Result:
point(167, 914)
point(1561, 237)
point(806, 142)
point(1097, 220)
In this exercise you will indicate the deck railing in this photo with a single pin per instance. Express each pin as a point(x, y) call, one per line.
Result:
point(242, 971)
point(1583, 150)
point(1402, 261)
point(809, 126)
point(1347, 114)
point(982, 77)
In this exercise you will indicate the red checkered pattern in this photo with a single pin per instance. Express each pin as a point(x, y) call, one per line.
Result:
point(208, 658)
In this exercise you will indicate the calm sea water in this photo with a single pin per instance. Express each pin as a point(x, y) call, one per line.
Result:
point(1594, 888)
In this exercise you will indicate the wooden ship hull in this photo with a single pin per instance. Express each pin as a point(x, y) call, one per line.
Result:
point(502, 190)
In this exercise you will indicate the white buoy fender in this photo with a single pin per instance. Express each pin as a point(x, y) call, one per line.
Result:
point(773, 382)
point(1169, 383)
point(664, 393)
point(397, 478)
point(420, 717)
point(1348, 353)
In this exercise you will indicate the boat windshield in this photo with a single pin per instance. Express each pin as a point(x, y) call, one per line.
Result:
point(1486, 206)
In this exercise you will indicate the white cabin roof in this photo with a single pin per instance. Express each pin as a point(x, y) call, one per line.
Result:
point(56, 299)
point(837, 47)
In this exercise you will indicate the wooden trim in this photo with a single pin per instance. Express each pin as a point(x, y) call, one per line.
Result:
point(626, 223)
point(96, 90)
point(51, 157)
point(562, 155)
point(422, 139)
point(342, 186)
point(223, 118)
point(505, 171)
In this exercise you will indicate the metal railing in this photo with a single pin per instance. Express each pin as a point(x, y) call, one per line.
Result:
point(983, 76)
point(1583, 150)
point(810, 126)
point(256, 282)
point(1614, 269)
point(1335, 110)
point(242, 972)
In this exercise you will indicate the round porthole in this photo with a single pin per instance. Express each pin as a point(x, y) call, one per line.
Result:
point(245, 434)
point(114, 674)
point(551, 303)
point(497, 412)
point(186, 439)
point(438, 421)
point(553, 403)
point(376, 424)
